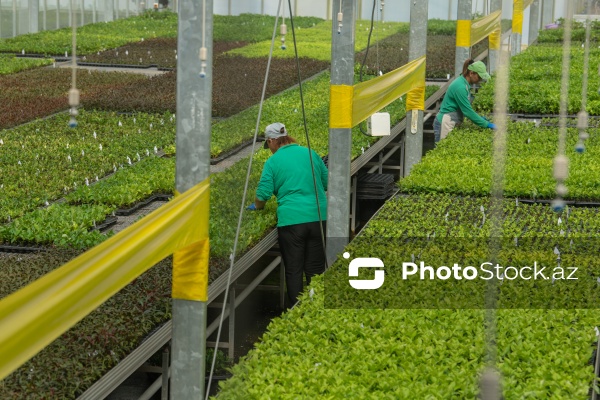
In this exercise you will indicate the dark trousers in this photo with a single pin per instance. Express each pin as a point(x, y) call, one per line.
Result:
point(302, 251)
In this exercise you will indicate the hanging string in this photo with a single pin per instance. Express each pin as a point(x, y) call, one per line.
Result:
point(561, 162)
point(73, 93)
point(582, 116)
point(490, 379)
point(242, 207)
point(340, 18)
point(203, 51)
point(283, 29)
point(312, 166)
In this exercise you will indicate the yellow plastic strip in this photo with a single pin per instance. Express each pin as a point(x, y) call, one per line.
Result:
point(340, 106)
point(371, 96)
point(485, 26)
point(190, 272)
point(494, 40)
point(34, 316)
point(517, 21)
point(415, 99)
point(463, 33)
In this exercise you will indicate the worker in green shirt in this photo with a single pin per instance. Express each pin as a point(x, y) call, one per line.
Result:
point(456, 104)
point(288, 174)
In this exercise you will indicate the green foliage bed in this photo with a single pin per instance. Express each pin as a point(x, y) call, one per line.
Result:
point(462, 164)
point(535, 81)
point(437, 353)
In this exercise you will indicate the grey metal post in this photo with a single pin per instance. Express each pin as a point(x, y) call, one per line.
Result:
point(462, 52)
point(57, 14)
point(109, 10)
point(534, 21)
point(14, 18)
point(516, 36)
point(194, 112)
point(340, 139)
point(417, 45)
point(547, 12)
point(494, 54)
point(34, 12)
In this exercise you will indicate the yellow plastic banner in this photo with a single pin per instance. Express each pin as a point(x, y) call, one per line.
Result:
point(190, 271)
point(34, 316)
point(340, 106)
point(494, 41)
point(415, 99)
point(371, 96)
point(485, 26)
point(463, 33)
point(517, 21)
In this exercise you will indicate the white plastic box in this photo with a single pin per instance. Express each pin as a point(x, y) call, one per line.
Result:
point(378, 124)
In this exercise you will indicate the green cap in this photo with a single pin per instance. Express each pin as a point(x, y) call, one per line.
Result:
point(479, 67)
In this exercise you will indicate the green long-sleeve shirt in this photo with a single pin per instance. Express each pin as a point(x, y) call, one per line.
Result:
point(287, 175)
point(457, 99)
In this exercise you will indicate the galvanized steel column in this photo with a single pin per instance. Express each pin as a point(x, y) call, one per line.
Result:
point(194, 112)
point(109, 10)
point(517, 27)
point(494, 54)
point(463, 35)
point(34, 11)
point(417, 46)
point(340, 138)
point(547, 12)
point(534, 21)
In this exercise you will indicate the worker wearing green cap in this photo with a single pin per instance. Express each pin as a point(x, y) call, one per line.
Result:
point(456, 104)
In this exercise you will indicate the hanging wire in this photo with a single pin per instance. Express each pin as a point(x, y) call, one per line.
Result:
point(242, 206)
point(582, 116)
point(283, 29)
point(203, 50)
point(361, 126)
point(340, 18)
point(73, 93)
point(312, 166)
point(561, 162)
point(490, 379)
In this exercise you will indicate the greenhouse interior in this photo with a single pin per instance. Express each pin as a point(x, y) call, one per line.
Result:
point(271, 199)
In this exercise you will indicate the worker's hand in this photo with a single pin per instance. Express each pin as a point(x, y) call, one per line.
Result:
point(492, 126)
point(251, 207)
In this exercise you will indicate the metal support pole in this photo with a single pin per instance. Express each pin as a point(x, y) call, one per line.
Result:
point(70, 13)
point(34, 12)
point(417, 45)
point(194, 107)
point(57, 14)
point(94, 12)
point(517, 27)
point(494, 54)
point(463, 35)
point(109, 12)
point(547, 12)
point(340, 139)
point(14, 18)
point(231, 346)
point(165, 374)
point(282, 285)
point(534, 21)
